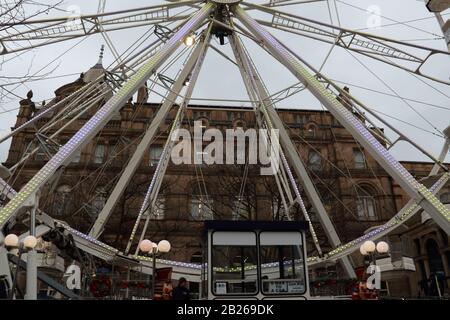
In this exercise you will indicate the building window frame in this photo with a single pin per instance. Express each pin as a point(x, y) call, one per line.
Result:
point(201, 208)
point(155, 155)
point(315, 160)
point(240, 210)
point(359, 159)
point(99, 153)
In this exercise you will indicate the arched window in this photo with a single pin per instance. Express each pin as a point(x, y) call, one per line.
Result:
point(311, 130)
point(63, 200)
point(201, 205)
point(359, 159)
point(366, 204)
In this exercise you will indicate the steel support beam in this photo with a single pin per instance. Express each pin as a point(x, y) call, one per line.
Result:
point(406, 213)
point(43, 32)
point(103, 115)
point(414, 189)
point(376, 47)
point(291, 151)
point(191, 72)
point(143, 146)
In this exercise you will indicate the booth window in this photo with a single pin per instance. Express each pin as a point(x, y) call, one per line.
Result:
point(282, 263)
point(234, 262)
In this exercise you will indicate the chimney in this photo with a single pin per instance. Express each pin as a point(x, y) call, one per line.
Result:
point(142, 94)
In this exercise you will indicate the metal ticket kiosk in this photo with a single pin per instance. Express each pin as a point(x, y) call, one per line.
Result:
point(255, 260)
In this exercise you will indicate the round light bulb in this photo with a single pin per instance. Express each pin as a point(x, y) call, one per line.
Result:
point(146, 246)
point(363, 250)
point(11, 240)
point(30, 242)
point(382, 247)
point(369, 246)
point(189, 40)
point(164, 246)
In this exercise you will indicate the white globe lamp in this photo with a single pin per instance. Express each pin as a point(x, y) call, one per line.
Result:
point(369, 246)
point(146, 246)
point(30, 242)
point(382, 247)
point(164, 246)
point(363, 250)
point(11, 241)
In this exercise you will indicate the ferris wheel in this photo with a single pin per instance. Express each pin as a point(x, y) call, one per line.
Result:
point(186, 29)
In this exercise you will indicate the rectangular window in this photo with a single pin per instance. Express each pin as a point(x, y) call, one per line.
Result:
point(99, 201)
point(315, 161)
point(159, 210)
point(201, 114)
point(278, 210)
point(112, 151)
point(99, 153)
point(235, 115)
point(77, 157)
point(359, 159)
point(366, 208)
point(240, 210)
point(201, 209)
point(155, 155)
point(301, 119)
point(234, 260)
point(282, 263)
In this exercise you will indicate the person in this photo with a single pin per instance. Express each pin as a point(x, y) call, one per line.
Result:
point(181, 292)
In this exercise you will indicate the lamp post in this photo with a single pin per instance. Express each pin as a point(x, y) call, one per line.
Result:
point(148, 247)
point(369, 248)
point(31, 289)
point(28, 244)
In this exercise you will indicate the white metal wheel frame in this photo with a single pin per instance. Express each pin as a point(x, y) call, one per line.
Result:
point(421, 196)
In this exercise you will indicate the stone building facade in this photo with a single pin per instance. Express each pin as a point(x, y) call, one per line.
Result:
point(358, 194)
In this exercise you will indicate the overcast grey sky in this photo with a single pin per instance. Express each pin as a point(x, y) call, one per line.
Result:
point(219, 79)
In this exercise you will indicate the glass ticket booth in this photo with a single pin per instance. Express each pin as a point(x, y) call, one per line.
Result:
point(255, 260)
